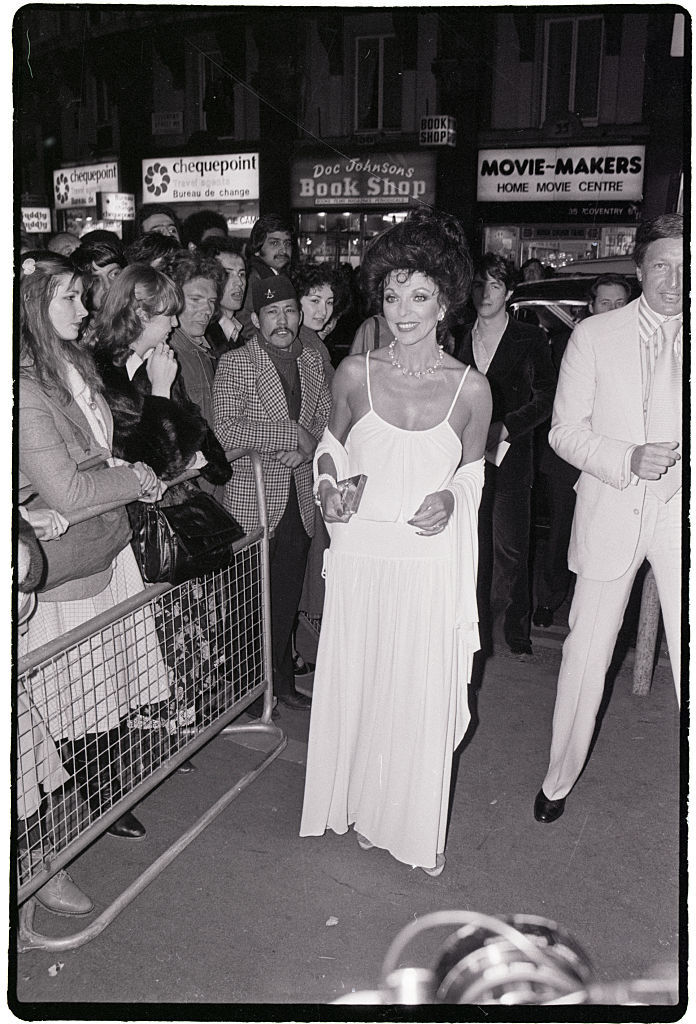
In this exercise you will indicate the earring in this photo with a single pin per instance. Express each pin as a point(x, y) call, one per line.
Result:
point(441, 315)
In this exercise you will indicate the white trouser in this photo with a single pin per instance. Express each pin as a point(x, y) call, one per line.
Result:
point(595, 618)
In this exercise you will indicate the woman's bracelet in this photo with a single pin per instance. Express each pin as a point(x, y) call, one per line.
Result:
point(329, 479)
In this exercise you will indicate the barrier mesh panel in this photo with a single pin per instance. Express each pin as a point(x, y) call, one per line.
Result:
point(96, 720)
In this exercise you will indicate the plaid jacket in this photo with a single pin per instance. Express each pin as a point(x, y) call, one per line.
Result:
point(251, 412)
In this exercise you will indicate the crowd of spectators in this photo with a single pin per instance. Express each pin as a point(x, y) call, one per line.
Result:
point(138, 362)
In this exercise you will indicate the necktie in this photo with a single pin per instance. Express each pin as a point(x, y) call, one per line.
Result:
point(665, 407)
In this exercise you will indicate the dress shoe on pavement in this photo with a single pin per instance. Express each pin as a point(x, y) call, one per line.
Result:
point(548, 810)
point(186, 767)
point(439, 867)
point(296, 701)
point(520, 645)
point(61, 896)
point(127, 827)
point(543, 616)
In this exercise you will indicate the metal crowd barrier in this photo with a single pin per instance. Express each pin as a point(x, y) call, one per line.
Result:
point(112, 708)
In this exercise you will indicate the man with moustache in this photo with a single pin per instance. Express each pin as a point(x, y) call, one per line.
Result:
point(271, 395)
point(269, 251)
point(617, 418)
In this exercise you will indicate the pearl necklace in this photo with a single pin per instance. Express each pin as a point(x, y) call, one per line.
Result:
point(415, 373)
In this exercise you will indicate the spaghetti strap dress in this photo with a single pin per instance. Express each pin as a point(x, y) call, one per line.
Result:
point(389, 688)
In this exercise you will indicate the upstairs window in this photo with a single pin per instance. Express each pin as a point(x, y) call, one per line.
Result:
point(377, 83)
point(217, 97)
point(572, 66)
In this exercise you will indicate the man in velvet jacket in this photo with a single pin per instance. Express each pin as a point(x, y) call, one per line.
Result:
point(516, 359)
point(271, 394)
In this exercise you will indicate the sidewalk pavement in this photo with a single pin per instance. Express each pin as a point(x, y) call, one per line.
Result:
point(250, 913)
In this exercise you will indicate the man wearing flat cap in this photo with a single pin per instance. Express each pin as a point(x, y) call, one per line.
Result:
point(271, 395)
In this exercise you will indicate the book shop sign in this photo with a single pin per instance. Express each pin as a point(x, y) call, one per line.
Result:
point(569, 173)
point(212, 178)
point(377, 179)
point(78, 186)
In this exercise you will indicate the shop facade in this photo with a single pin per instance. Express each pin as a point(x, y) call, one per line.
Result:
point(559, 204)
point(339, 203)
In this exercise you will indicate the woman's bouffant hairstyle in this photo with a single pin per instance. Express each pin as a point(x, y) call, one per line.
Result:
point(117, 325)
point(42, 352)
point(427, 242)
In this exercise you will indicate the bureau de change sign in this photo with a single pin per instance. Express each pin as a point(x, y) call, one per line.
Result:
point(567, 173)
point(186, 179)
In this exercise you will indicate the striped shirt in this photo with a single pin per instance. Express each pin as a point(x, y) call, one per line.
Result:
point(649, 323)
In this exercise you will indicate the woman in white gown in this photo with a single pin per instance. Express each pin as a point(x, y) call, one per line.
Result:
point(399, 628)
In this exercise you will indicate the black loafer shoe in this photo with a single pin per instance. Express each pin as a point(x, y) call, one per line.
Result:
point(296, 701)
point(127, 827)
point(548, 810)
point(186, 767)
point(543, 616)
point(520, 645)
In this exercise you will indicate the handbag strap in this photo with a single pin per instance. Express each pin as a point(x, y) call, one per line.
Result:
point(375, 332)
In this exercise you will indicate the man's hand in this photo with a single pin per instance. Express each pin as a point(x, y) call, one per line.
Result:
point(292, 459)
point(651, 461)
point(306, 442)
point(497, 432)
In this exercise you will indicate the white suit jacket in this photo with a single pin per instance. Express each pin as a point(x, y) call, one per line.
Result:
point(597, 418)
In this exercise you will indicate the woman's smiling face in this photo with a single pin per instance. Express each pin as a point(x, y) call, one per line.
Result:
point(411, 305)
point(317, 306)
point(65, 310)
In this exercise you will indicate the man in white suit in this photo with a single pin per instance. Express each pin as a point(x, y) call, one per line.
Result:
point(617, 418)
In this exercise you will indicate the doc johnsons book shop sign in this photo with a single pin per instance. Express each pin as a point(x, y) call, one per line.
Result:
point(377, 179)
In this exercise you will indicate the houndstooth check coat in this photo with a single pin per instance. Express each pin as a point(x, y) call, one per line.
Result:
point(251, 412)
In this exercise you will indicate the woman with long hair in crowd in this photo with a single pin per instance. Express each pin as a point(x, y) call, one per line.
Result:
point(66, 464)
point(400, 620)
point(156, 421)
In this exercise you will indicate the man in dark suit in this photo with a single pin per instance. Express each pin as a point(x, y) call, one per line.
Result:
point(271, 394)
point(515, 358)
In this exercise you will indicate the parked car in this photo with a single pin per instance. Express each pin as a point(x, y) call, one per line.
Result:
point(558, 302)
point(604, 265)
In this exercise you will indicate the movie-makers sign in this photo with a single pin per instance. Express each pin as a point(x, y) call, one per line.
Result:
point(190, 179)
point(377, 179)
point(569, 173)
point(78, 186)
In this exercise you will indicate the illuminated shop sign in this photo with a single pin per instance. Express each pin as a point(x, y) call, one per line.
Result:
point(116, 205)
point(568, 173)
point(36, 220)
point(380, 179)
point(190, 179)
point(438, 130)
point(78, 186)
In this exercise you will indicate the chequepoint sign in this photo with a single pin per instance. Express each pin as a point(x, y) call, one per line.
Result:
point(567, 173)
point(186, 179)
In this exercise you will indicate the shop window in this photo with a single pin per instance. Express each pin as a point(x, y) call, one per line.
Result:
point(572, 67)
point(217, 97)
point(377, 83)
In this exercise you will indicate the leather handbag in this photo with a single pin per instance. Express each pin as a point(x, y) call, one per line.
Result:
point(178, 541)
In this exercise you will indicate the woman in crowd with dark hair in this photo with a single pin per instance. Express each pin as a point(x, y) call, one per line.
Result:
point(400, 621)
point(318, 290)
point(155, 420)
point(66, 464)
point(153, 248)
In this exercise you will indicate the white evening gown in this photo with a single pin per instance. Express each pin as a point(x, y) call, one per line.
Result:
point(390, 688)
